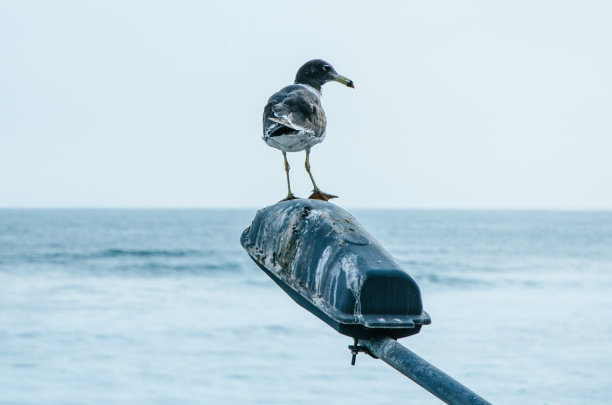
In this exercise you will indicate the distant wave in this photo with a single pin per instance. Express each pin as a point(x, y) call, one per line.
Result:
point(159, 268)
point(137, 261)
point(151, 253)
point(452, 281)
point(112, 253)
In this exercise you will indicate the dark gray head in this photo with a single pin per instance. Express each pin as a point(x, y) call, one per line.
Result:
point(317, 72)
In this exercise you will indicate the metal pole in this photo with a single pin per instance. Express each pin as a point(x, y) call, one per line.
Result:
point(423, 373)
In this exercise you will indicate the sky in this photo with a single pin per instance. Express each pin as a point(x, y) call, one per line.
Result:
point(460, 105)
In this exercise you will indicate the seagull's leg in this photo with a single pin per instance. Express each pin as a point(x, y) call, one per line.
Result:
point(290, 195)
point(307, 165)
point(317, 194)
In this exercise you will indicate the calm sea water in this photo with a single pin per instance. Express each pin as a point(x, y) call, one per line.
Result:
point(164, 307)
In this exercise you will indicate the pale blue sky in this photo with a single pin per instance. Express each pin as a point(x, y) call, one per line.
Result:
point(474, 104)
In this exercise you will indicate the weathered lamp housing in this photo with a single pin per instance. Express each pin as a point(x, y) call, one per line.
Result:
point(324, 259)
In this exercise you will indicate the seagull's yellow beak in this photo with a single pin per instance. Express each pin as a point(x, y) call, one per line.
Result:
point(344, 80)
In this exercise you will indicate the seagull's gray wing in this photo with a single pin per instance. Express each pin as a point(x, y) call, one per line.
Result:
point(294, 109)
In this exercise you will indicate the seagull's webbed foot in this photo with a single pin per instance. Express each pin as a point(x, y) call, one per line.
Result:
point(319, 195)
point(290, 196)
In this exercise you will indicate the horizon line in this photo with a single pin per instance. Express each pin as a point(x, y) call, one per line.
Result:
point(353, 207)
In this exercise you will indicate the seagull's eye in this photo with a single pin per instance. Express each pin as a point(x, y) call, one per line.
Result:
point(326, 68)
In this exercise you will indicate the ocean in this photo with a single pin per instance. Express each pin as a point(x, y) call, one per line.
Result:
point(164, 307)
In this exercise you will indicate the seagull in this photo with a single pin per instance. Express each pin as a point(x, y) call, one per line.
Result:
point(293, 119)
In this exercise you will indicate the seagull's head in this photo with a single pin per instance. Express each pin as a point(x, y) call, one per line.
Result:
point(317, 72)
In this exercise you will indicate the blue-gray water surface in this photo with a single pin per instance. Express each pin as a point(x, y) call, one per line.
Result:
point(164, 307)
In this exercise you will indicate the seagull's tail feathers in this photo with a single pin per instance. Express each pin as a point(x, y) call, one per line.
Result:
point(280, 128)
